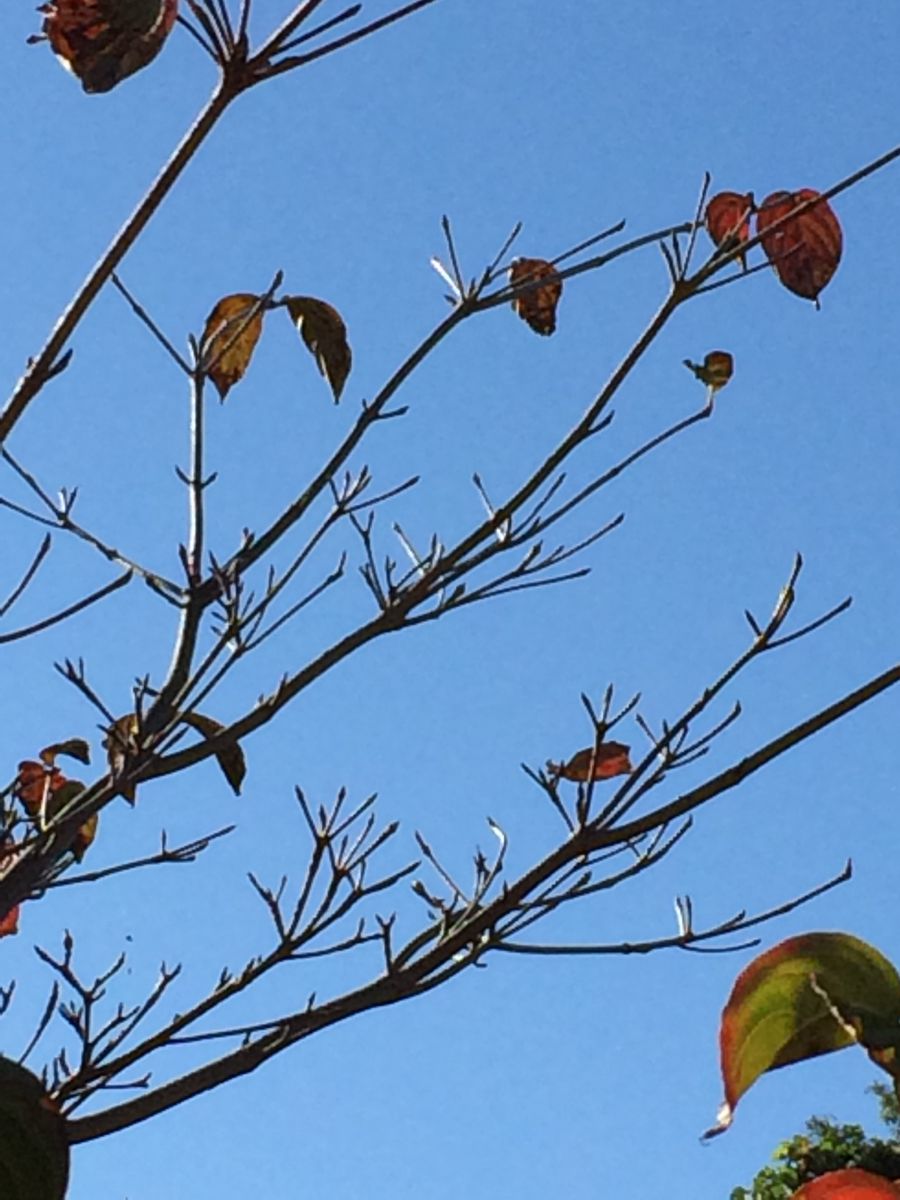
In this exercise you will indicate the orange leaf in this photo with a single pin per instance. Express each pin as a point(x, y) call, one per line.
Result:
point(45, 791)
point(850, 1183)
point(537, 306)
point(609, 759)
point(229, 339)
point(715, 370)
point(728, 220)
point(805, 251)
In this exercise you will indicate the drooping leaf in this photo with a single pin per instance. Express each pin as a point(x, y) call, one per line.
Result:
point(102, 42)
point(609, 759)
point(782, 1007)
point(537, 306)
point(231, 760)
point(120, 745)
point(850, 1183)
point(728, 221)
point(715, 370)
point(229, 339)
point(34, 1146)
point(9, 921)
point(73, 747)
point(325, 336)
point(805, 251)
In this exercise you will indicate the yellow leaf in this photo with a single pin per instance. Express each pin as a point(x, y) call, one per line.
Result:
point(325, 337)
point(229, 339)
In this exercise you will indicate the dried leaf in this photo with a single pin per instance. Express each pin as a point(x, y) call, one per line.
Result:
point(9, 922)
point(806, 250)
point(120, 745)
point(728, 220)
point(34, 1146)
point(782, 1008)
point(73, 747)
point(325, 337)
point(102, 42)
point(229, 339)
point(849, 1183)
point(715, 370)
point(231, 760)
point(44, 792)
point(537, 306)
point(609, 759)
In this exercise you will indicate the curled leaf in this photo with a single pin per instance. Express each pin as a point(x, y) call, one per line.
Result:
point(609, 759)
point(76, 748)
point(230, 335)
point(231, 760)
point(537, 306)
point(102, 42)
point(325, 336)
point(34, 1146)
point(44, 792)
point(808, 995)
point(120, 744)
point(728, 221)
point(805, 250)
point(715, 370)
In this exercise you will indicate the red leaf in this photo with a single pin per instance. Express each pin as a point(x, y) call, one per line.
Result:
point(728, 220)
point(850, 1183)
point(609, 759)
point(9, 922)
point(537, 306)
point(805, 251)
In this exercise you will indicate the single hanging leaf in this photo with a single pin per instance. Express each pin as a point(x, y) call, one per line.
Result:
point(325, 337)
point(229, 339)
point(849, 1183)
point(231, 760)
point(728, 221)
point(781, 1009)
point(102, 42)
point(805, 251)
point(609, 759)
point(715, 370)
point(34, 1146)
point(537, 306)
point(120, 745)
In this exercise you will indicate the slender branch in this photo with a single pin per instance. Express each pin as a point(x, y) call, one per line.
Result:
point(79, 606)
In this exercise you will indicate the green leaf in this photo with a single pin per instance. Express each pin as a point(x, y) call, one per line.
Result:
point(34, 1147)
point(808, 995)
point(231, 759)
point(325, 337)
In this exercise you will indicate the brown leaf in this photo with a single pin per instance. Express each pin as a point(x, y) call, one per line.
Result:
point(229, 339)
point(74, 747)
point(728, 220)
point(119, 745)
point(537, 306)
point(715, 370)
point(103, 41)
point(325, 336)
point(231, 760)
point(44, 792)
point(609, 759)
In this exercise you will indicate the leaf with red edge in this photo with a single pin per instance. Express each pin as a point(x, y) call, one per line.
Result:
point(805, 250)
point(850, 1183)
point(44, 791)
point(229, 338)
point(782, 1008)
point(102, 42)
point(609, 759)
point(728, 221)
point(537, 305)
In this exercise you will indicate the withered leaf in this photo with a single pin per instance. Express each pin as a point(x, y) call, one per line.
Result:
point(537, 306)
point(805, 251)
point(74, 747)
point(715, 370)
point(44, 792)
point(119, 745)
point(229, 339)
point(325, 336)
point(231, 760)
point(609, 759)
point(728, 220)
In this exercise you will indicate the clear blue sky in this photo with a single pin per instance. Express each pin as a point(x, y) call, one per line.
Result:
point(533, 1078)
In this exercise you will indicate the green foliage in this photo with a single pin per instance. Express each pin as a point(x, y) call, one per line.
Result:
point(827, 1146)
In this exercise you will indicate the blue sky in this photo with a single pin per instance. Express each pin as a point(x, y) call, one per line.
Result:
point(584, 1078)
